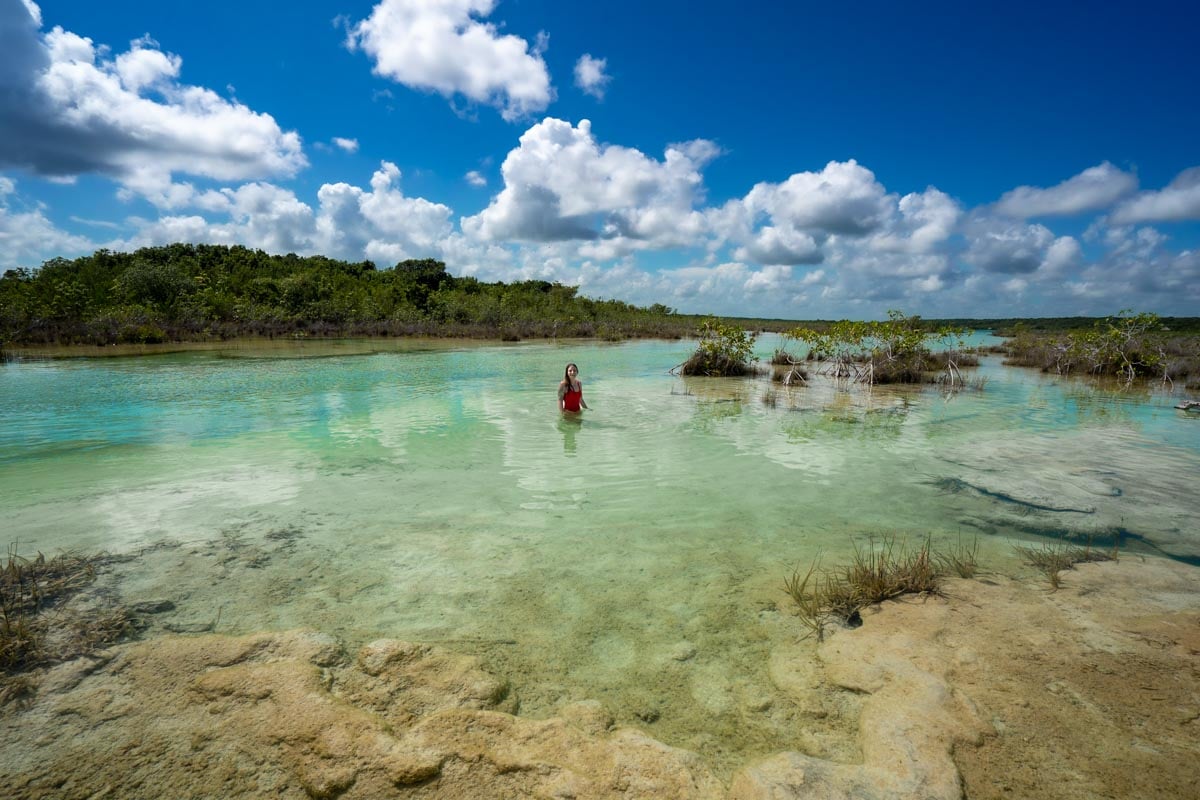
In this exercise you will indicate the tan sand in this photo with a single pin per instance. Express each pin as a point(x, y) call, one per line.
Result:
point(1001, 689)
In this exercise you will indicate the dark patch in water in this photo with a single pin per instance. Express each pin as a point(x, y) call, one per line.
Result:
point(956, 485)
point(1123, 539)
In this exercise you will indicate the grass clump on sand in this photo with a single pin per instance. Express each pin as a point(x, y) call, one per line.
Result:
point(36, 625)
point(873, 575)
point(959, 559)
point(1052, 559)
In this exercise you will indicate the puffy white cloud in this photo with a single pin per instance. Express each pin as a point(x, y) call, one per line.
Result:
point(35, 13)
point(28, 237)
point(476, 178)
point(441, 46)
point(771, 245)
point(1093, 189)
point(383, 224)
point(1005, 247)
point(348, 145)
point(1138, 270)
point(560, 184)
point(923, 223)
point(1179, 201)
point(67, 109)
point(768, 279)
point(1063, 256)
point(182, 228)
point(271, 218)
point(843, 198)
point(349, 222)
point(590, 76)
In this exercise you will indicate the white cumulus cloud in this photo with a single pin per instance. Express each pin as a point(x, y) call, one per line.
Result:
point(560, 184)
point(381, 224)
point(349, 222)
point(922, 224)
point(1095, 188)
point(443, 46)
point(843, 198)
point(67, 108)
point(27, 236)
point(1179, 201)
point(1000, 246)
point(590, 75)
point(348, 145)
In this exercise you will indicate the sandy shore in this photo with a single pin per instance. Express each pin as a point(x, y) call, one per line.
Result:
point(1000, 689)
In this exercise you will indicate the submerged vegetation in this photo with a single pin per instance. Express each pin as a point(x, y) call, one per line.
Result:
point(36, 624)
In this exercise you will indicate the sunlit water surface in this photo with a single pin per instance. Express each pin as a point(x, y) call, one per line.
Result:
point(432, 492)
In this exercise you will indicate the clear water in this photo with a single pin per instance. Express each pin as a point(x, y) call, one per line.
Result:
point(432, 491)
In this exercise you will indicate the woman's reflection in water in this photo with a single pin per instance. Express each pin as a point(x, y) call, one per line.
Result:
point(569, 424)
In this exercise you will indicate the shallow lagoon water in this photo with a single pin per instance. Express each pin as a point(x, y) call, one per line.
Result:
point(431, 491)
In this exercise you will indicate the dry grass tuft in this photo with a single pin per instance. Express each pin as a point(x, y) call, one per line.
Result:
point(877, 573)
point(960, 559)
point(1052, 559)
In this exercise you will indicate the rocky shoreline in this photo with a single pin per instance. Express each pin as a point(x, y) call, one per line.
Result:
point(999, 689)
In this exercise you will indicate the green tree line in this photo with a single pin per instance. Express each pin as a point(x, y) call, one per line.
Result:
point(183, 292)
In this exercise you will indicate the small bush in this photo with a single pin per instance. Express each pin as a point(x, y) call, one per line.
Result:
point(781, 356)
point(724, 351)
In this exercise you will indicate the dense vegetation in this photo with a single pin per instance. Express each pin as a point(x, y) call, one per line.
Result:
point(1009, 326)
point(1128, 346)
point(895, 350)
point(185, 292)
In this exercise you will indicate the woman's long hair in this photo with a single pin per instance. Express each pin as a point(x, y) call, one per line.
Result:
point(567, 375)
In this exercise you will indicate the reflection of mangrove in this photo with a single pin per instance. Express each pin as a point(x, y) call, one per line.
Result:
point(1095, 404)
point(957, 485)
point(847, 422)
point(710, 412)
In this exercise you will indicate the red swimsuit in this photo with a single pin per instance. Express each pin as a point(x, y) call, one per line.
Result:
point(571, 399)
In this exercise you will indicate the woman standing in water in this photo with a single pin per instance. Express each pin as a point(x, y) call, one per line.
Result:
point(570, 391)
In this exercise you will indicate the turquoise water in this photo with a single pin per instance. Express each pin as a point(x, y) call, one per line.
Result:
point(431, 491)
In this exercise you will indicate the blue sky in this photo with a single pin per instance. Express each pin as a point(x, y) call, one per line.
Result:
point(797, 160)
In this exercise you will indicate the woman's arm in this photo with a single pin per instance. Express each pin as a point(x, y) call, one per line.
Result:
point(562, 391)
point(582, 402)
